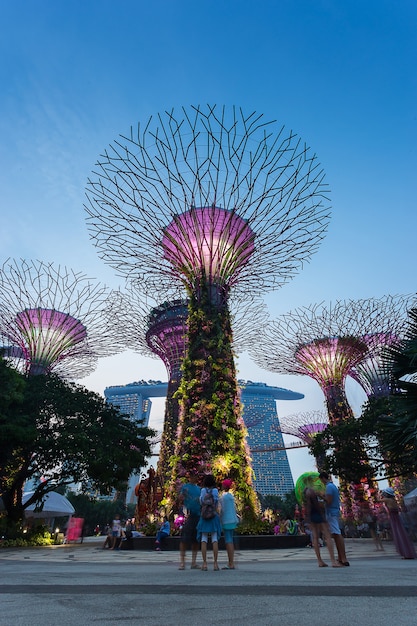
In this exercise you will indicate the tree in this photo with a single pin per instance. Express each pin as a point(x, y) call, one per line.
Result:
point(343, 449)
point(61, 433)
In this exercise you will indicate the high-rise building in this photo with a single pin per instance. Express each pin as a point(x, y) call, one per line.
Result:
point(272, 474)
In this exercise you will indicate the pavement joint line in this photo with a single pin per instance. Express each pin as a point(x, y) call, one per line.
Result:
point(355, 591)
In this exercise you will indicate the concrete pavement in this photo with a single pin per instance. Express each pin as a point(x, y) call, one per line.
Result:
point(78, 584)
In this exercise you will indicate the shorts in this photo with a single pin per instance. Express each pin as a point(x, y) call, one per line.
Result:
point(228, 535)
point(333, 521)
point(189, 530)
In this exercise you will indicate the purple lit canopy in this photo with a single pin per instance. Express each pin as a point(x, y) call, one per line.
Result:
point(46, 336)
point(210, 242)
point(330, 359)
point(208, 193)
point(53, 319)
point(305, 425)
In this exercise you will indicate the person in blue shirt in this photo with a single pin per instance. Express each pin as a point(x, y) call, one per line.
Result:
point(332, 504)
point(209, 526)
point(189, 500)
point(163, 532)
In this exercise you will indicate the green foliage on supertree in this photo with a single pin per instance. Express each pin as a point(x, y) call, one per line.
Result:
point(169, 435)
point(211, 430)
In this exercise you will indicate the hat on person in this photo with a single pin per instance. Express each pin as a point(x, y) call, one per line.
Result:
point(389, 491)
point(227, 483)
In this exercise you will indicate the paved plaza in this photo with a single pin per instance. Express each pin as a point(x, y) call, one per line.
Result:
point(84, 584)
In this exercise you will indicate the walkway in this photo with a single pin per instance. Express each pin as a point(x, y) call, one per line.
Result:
point(82, 584)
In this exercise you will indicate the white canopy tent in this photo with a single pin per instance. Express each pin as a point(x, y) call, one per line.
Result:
point(55, 505)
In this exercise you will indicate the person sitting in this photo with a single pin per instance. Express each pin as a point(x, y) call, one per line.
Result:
point(164, 531)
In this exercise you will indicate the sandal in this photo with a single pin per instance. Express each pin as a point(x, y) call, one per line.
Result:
point(216, 568)
point(204, 568)
point(182, 566)
point(228, 567)
point(195, 566)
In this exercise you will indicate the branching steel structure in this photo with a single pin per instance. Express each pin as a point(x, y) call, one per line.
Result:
point(325, 343)
point(385, 329)
point(212, 200)
point(305, 426)
point(211, 192)
point(53, 319)
point(328, 344)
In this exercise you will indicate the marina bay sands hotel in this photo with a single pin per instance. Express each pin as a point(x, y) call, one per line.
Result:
point(272, 474)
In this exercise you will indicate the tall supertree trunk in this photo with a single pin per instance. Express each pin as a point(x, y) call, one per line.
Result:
point(170, 433)
point(211, 436)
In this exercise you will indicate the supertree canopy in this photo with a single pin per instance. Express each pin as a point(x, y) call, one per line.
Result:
point(322, 342)
point(385, 329)
point(52, 319)
point(305, 426)
point(213, 200)
point(211, 195)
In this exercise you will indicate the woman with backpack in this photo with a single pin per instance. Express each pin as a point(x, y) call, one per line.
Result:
point(209, 523)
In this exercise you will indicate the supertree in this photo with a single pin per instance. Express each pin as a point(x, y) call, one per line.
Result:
point(305, 426)
point(162, 331)
point(52, 319)
point(322, 342)
point(213, 200)
point(325, 343)
point(385, 329)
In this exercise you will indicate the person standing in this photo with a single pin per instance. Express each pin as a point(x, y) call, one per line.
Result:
point(116, 531)
point(189, 500)
point(209, 523)
point(332, 505)
point(229, 520)
point(402, 542)
point(318, 525)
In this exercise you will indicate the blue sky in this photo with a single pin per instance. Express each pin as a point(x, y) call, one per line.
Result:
point(342, 75)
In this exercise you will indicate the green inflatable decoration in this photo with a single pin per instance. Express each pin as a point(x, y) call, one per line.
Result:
point(302, 481)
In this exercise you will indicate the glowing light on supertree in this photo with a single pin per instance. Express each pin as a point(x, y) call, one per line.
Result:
point(305, 426)
point(52, 319)
point(213, 200)
point(385, 329)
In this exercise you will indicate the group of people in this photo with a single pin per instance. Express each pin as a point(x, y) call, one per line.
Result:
point(119, 531)
point(323, 513)
point(208, 515)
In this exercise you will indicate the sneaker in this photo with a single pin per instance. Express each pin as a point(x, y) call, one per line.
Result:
point(158, 549)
